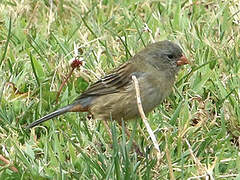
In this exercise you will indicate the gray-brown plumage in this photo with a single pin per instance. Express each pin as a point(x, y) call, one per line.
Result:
point(113, 96)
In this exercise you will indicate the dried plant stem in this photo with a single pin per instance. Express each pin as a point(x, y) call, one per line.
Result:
point(2, 158)
point(63, 83)
point(202, 170)
point(142, 114)
point(200, 167)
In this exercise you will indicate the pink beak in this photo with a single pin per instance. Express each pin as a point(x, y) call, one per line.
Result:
point(182, 61)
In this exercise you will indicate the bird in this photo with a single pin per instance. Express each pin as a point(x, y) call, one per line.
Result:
point(113, 97)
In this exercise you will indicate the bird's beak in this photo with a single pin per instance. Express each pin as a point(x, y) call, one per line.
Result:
point(182, 61)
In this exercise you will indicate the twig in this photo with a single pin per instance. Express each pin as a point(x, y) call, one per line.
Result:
point(142, 114)
point(2, 158)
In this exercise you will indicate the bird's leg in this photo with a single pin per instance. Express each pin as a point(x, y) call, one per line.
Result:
point(129, 136)
point(108, 129)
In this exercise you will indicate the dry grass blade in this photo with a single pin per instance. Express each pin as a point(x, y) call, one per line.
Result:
point(144, 118)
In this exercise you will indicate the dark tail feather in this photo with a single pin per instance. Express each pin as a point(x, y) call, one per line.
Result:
point(51, 115)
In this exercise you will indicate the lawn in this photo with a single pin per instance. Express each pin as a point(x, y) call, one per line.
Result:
point(197, 127)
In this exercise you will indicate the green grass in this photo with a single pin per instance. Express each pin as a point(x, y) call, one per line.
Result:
point(198, 125)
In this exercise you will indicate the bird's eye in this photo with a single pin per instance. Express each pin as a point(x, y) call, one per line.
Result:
point(170, 56)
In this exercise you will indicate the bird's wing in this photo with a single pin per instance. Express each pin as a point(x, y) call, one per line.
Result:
point(113, 82)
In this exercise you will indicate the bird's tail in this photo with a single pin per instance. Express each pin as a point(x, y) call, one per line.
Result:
point(69, 108)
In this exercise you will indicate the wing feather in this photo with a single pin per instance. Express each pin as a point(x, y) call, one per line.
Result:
point(111, 83)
